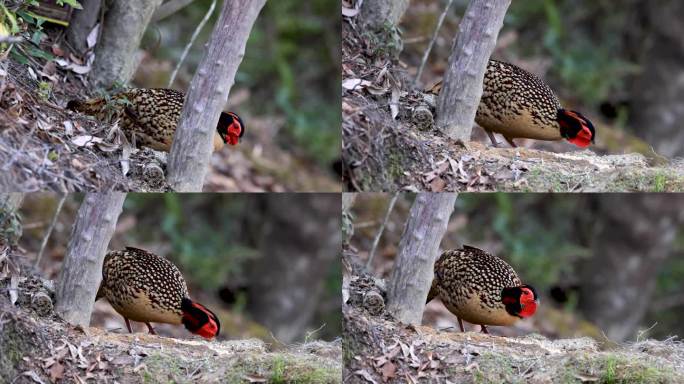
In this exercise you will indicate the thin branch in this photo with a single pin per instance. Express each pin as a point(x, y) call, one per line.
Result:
point(169, 8)
point(432, 42)
point(381, 230)
point(191, 42)
point(46, 237)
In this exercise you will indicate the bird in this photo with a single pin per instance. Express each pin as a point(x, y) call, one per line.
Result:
point(481, 288)
point(149, 116)
point(518, 104)
point(145, 287)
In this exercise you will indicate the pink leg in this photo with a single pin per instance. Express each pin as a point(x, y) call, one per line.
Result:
point(128, 325)
point(492, 138)
point(460, 324)
point(149, 327)
point(510, 141)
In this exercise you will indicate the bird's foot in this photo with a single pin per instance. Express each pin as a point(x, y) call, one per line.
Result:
point(484, 329)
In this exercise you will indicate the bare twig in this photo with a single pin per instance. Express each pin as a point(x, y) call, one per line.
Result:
point(46, 237)
point(10, 39)
point(191, 42)
point(381, 230)
point(432, 42)
point(169, 8)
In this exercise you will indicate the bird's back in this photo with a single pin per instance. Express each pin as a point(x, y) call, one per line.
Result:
point(142, 286)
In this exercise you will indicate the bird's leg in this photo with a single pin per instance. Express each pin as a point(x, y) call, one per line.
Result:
point(460, 324)
point(149, 326)
point(128, 325)
point(510, 141)
point(492, 138)
point(484, 329)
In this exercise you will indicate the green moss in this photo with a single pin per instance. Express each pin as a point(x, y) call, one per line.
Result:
point(276, 368)
point(494, 368)
point(619, 369)
point(163, 369)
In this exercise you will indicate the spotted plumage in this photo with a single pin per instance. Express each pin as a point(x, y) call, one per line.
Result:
point(144, 287)
point(149, 116)
point(479, 288)
point(517, 104)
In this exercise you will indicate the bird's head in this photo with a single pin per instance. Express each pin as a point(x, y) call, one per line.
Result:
point(576, 128)
point(230, 127)
point(520, 301)
point(199, 320)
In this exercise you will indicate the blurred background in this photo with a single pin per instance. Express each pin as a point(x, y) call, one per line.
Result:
point(266, 264)
point(286, 90)
point(605, 265)
point(618, 65)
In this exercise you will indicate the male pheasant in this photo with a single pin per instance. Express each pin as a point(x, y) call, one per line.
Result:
point(152, 114)
point(480, 288)
point(517, 104)
point(144, 287)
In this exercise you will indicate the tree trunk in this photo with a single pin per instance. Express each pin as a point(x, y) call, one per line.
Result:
point(209, 89)
point(629, 246)
point(82, 269)
point(457, 102)
point(10, 225)
point(347, 218)
point(299, 242)
point(418, 250)
point(378, 14)
point(82, 22)
point(124, 25)
point(658, 110)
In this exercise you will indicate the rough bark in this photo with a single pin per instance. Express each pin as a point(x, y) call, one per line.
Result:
point(82, 269)
point(123, 28)
point(629, 247)
point(10, 227)
point(298, 244)
point(169, 8)
point(475, 42)
point(208, 93)
point(658, 108)
point(378, 14)
point(82, 22)
point(418, 250)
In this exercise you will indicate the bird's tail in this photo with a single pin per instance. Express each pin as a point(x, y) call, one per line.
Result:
point(199, 320)
point(89, 107)
point(433, 291)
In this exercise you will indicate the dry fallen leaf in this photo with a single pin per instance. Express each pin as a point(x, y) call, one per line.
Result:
point(351, 84)
point(255, 378)
point(56, 372)
point(92, 36)
point(363, 373)
point(388, 371)
point(85, 140)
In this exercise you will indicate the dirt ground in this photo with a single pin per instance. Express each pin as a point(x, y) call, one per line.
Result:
point(390, 142)
point(378, 349)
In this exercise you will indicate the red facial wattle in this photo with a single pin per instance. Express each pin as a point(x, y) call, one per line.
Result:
point(208, 330)
point(233, 135)
point(528, 308)
point(583, 138)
